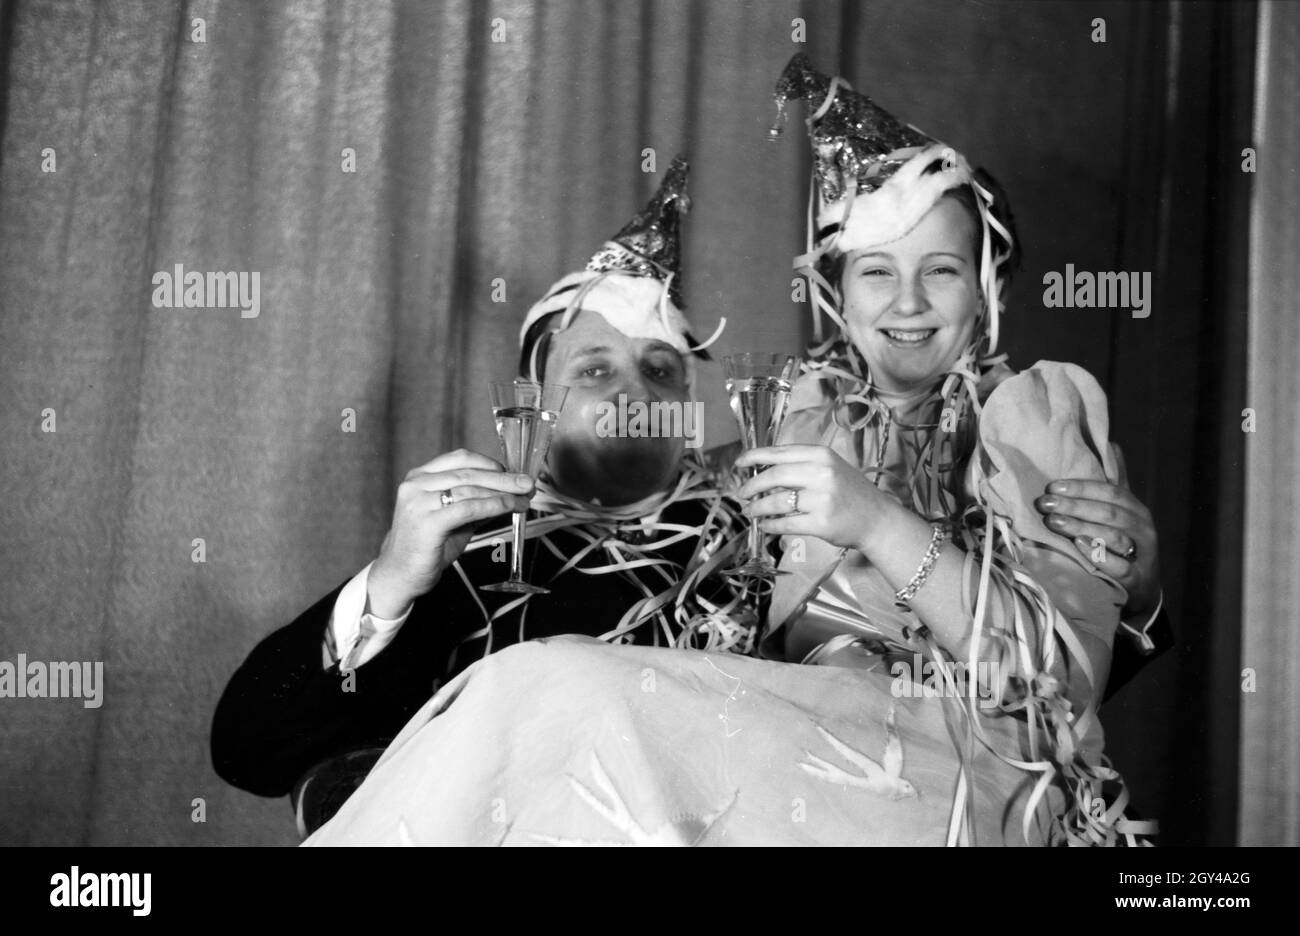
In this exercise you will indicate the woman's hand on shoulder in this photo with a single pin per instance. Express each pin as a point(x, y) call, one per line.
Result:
point(1114, 531)
point(835, 501)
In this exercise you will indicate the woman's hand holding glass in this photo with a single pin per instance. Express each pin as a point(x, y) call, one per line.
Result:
point(834, 501)
point(809, 490)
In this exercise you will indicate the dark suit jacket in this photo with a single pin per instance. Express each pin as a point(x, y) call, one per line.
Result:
point(282, 712)
point(1127, 658)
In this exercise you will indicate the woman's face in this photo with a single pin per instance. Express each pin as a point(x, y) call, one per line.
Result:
point(911, 306)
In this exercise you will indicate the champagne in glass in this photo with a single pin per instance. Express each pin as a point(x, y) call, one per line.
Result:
point(526, 413)
point(759, 386)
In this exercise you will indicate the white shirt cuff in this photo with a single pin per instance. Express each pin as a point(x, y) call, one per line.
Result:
point(356, 634)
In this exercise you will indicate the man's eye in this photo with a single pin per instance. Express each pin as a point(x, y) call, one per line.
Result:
point(665, 373)
point(596, 370)
point(943, 271)
point(874, 271)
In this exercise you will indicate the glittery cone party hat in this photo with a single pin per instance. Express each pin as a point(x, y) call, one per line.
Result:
point(634, 279)
point(869, 167)
point(875, 177)
point(651, 243)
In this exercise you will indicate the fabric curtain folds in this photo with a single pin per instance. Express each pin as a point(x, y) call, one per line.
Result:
point(405, 179)
point(1270, 657)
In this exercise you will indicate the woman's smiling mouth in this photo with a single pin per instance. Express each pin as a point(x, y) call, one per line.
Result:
point(908, 338)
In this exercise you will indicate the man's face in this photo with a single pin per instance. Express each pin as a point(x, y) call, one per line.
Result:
point(598, 363)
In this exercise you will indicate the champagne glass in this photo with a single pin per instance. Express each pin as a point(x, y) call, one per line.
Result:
point(759, 386)
point(526, 413)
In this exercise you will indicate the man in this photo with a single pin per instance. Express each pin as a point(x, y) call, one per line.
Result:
point(626, 532)
point(622, 524)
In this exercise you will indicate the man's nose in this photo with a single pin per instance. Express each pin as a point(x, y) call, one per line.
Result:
point(638, 388)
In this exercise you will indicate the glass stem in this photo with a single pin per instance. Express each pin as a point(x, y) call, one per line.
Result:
point(756, 553)
point(517, 553)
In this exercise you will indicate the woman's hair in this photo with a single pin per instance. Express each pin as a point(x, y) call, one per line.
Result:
point(831, 266)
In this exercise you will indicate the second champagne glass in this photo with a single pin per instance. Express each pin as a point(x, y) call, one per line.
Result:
point(526, 413)
point(759, 386)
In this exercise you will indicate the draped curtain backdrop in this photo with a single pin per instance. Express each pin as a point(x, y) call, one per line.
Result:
point(496, 145)
point(1270, 743)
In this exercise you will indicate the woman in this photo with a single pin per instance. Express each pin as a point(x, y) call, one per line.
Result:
point(908, 470)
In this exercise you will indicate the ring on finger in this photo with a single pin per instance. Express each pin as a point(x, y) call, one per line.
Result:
point(1128, 554)
point(793, 498)
point(445, 498)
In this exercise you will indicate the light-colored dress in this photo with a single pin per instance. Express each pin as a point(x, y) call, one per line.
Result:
point(1055, 610)
point(574, 741)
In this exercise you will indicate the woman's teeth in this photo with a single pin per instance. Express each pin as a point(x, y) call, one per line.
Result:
point(910, 337)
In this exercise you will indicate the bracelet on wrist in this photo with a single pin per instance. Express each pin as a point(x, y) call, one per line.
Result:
point(908, 592)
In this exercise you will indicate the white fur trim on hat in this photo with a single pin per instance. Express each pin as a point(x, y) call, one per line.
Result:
point(635, 305)
point(893, 210)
